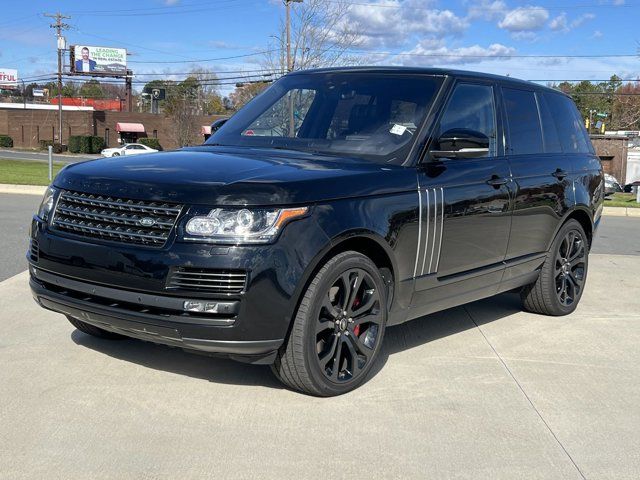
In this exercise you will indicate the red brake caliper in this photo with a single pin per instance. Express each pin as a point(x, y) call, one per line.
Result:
point(356, 304)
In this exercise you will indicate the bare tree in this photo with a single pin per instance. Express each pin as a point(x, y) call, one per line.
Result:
point(321, 36)
point(626, 107)
point(208, 98)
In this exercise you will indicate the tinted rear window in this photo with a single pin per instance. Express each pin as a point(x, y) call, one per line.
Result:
point(573, 135)
point(525, 135)
point(552, 142)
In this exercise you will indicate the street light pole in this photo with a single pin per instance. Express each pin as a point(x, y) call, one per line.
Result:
point(59, 26)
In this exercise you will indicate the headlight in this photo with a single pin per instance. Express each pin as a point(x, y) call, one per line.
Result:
point(46, 206)
point(224, 225)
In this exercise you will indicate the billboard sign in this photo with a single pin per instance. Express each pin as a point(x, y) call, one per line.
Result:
point(88, 60)
point(8, 78)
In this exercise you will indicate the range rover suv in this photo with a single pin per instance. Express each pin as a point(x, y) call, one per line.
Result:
point(337, 203)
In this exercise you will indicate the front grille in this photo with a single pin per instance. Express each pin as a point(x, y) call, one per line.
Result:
point(205, 280)
point(34, 251)
point(117, 219)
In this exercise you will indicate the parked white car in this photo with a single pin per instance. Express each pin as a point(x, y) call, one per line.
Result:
point(127, 149)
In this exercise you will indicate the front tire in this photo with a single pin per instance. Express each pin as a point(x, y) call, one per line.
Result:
point(93, 330)
point(338, 329)
point(563, 276)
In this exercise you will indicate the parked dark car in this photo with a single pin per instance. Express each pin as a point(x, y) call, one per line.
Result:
point(368, 197)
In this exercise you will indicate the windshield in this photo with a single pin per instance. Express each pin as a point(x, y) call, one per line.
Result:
point(365, 115)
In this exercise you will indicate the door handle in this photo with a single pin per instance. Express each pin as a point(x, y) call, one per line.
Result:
point(496, 181)
point(560, 174)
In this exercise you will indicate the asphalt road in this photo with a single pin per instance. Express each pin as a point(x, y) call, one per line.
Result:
point(616, 235)
point(43, 157)
point(15, 217)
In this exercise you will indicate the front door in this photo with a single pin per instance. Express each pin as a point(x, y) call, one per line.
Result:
point(465, 206)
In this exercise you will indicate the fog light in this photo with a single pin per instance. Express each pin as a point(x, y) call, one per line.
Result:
point(193, 306)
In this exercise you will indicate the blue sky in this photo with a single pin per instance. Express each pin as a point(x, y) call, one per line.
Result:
point(468, 34)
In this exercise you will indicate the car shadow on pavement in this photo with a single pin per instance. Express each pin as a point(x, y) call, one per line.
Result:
point(221, 370)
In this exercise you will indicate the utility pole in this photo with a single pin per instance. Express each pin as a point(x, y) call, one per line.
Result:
point(287, 5)
point(59, 26)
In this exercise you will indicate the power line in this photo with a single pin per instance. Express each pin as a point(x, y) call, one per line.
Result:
point(202, 60)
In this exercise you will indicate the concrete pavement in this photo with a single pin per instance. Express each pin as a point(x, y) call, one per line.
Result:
point(481, 391)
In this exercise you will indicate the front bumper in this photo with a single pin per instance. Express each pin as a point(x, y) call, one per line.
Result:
point(90, 304)
point(123, 289)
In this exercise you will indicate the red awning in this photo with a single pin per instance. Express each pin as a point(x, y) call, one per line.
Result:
point(129, 127)
point(206, 130)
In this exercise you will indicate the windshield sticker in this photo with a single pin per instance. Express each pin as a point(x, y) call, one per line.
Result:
point(398, 129)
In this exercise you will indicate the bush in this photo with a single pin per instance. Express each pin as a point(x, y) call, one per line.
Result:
point(85, 144)
point(74, 144)
point(6, 141)
point(57, 148)
point(151, 143)
point(97, 144)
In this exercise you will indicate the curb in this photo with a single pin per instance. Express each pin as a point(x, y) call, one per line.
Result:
point(22, 189)
point(621, 212)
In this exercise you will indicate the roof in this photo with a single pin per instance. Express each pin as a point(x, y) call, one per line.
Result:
point(446, 72)
point(129, 127)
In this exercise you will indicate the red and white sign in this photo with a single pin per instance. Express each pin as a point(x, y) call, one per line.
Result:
point(8, 78)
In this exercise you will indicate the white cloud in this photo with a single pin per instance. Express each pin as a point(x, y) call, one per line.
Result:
point(395, 23)
point(436, 52)
point(523, 19)
point(487, 10)
point(170, 2)
point(561, 23)
point(597, 34)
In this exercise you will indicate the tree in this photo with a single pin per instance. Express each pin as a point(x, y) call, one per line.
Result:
point(245, 92)
point(91, 89)
point(181, 108)
point(626, 107)
point(321, 36)
point(208, 99)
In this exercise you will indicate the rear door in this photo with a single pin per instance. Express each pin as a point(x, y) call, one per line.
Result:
point(540, 169)
point(465, 207)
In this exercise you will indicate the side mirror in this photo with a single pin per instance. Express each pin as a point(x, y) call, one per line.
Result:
point(461, 143)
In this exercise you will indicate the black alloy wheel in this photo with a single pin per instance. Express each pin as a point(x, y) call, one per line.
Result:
point(348, 326)
point(563, 275)
point(570, 267)
point(338, 329)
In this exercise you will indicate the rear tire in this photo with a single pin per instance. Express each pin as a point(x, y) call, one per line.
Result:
point(93, 330)
point(563, 276)
point(338, 329)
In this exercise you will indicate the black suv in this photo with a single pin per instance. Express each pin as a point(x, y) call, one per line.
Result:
point(335, 204)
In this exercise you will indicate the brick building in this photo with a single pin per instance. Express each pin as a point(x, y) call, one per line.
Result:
point(27, 126)
point(612, 150)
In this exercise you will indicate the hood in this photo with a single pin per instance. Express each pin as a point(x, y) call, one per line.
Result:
point(211, 175)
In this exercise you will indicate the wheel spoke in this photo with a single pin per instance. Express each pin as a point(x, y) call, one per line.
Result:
point(335, 369)
point(331, 309)
point(369, 318)
point(355, 364)
point(357, 281)
point(323, 326)
point(367, 305)
point(361, 347)
point(327, 357)
point(571, 238)
point(347, 287)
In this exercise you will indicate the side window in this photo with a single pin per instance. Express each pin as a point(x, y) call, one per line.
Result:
point(573, 136)
point(550, 135)
point(523, 119)
point(472, 107)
